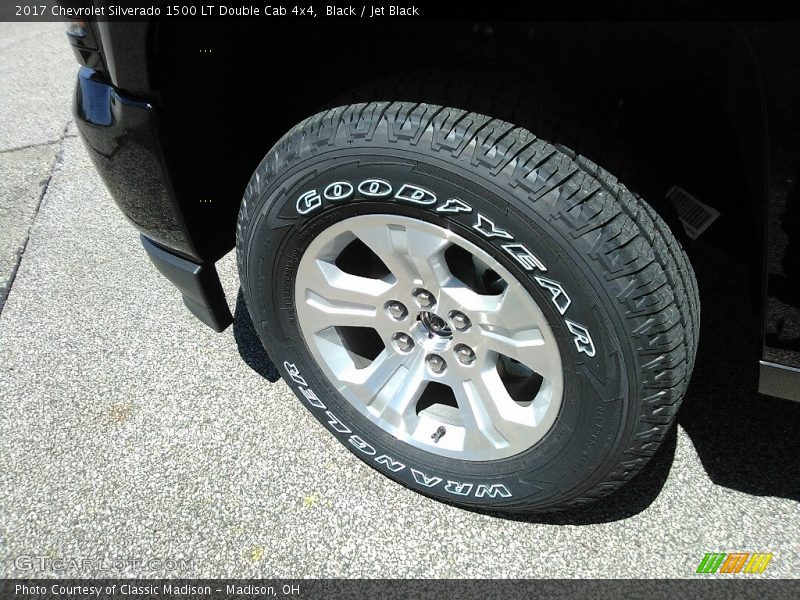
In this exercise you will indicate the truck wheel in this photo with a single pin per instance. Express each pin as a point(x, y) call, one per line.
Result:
point(482, 316)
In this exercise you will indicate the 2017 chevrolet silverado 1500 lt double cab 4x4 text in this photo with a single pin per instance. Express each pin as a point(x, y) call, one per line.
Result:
point(442, 245)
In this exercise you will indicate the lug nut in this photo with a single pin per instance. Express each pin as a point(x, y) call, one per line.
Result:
point(436, 363)
point(397, 310)
point(465, 354)
point(460, 321)
point(424, 298)
point(437, 324)
point(403, 342)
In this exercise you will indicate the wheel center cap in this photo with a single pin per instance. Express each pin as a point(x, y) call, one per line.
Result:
point(435, 325)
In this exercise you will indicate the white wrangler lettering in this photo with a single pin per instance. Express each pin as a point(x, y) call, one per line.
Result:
point(361, 445)
point(493, 491)
point(375, 188)
point(415, 194)
point(454, 205)
point(390, 463)
point(423, 479)
point(312, 398)
point(524, 257)
point(583, 341)
point(294, 372)
point(338, 191)
point(337, 424)
point(308, 202)
point(459, 489)
point(560, 297)
point(487, 227)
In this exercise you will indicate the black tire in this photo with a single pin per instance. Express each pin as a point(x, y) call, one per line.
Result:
point(630, 284)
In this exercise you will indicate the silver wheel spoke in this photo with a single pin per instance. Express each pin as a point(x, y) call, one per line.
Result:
point(457, 296)
point(527, 347)
point(342, 314)
point(515, 311)
point(486, 426)
point(427, 353)
point(410, 256)
point(510, 324)
point(394, 384)
point(341, 299)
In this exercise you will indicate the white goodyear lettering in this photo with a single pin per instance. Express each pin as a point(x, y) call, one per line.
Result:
point(454, 205)
point(557, 293)
point(338, 191)
point(527, 259)
point(375, 188)
point(415, 194)
point(583, 341)
point(487, 227)
point(308, 202)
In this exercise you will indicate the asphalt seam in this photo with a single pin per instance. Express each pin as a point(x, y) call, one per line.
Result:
point(5, 290)
point(36, 145)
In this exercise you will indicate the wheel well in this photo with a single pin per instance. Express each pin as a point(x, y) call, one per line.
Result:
point(685, 99)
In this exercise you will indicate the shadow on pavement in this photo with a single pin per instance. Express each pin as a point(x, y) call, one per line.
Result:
point(746, 442)
point(248, 344)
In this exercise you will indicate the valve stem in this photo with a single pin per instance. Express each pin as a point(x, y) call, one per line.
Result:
point(437, 435)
